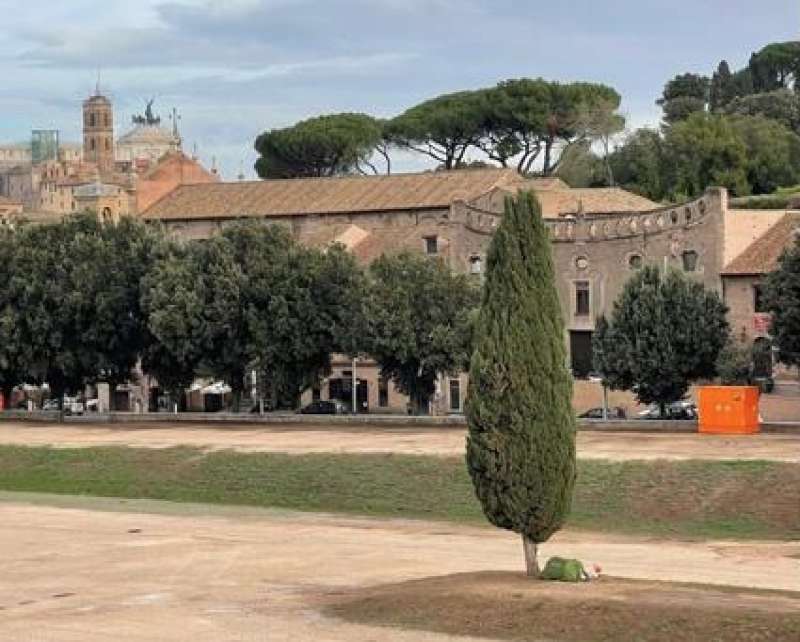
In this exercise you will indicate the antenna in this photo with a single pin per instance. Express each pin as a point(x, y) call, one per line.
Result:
point(97, 84)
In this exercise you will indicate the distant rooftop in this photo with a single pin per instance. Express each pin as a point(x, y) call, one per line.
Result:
point(303, 196)
point(761, 256)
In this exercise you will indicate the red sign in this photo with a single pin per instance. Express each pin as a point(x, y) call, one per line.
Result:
point(761, 321)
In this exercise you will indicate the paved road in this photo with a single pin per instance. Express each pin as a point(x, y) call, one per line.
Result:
point(86, 572)
point(385, 439)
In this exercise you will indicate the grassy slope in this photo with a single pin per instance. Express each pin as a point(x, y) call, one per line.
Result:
point(680, 499)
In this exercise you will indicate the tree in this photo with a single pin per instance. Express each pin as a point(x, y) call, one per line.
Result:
point(75, 293)
point(705, 150)
point(323, 146)
point(665, 332)
point(723, 87)
point(735, 364)
point(776, 66)
point(773, 153)
point(782, 105)
point(12, 352)
point(419, 317)
point(173, 306)
point(301, 305)
point(683, 96)
point(521, 442)
point(639, 164)
point(530, 119)
point(110, 325)
point(443, 128)
point(782, 296)
point(581, 167)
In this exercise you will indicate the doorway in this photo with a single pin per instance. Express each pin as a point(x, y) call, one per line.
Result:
point(580, 351)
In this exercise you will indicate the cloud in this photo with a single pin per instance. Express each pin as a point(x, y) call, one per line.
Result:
point(237, 67)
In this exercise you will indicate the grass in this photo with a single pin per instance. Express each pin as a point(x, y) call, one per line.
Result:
point(511, 607)
point(689, 499)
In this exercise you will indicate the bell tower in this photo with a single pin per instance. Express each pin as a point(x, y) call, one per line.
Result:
point(98, 131)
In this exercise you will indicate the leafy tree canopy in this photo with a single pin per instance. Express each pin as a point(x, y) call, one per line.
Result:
point(683, 96)
point(420, 318)
point(74, 293)
point(781, 105)
point(665, 332)
point(782, 295)
point(776, 66)
point(773, 153)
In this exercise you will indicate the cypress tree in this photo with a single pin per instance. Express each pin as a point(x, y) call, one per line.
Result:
point(521, 443)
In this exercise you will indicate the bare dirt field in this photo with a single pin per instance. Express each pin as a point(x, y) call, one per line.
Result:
point(509, 606)
point(91, 570)
point(386, 439)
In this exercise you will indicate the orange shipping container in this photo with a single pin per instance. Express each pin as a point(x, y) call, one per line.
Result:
point(728, 410)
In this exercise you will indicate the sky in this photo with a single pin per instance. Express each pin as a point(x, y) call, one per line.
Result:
point(234, 68)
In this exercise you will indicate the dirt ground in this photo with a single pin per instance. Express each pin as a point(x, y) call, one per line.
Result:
point(386, 439)
point(91, 570)
point(510, 606)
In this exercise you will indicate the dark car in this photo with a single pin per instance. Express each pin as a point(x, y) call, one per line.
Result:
point(333, 407)
point(679, 410)
point(614, 412)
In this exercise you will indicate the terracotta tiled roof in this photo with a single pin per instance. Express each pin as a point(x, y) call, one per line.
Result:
point(327, 195)
point(762, 255)
point(600, 200)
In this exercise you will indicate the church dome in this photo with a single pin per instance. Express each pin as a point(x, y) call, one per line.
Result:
point(144, 134)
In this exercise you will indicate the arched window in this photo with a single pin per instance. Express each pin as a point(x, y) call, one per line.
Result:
point(91, 144)
point(91, 120)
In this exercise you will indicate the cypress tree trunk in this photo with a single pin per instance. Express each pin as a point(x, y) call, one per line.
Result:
point(531, 557)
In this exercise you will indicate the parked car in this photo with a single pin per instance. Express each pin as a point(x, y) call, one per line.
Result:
point(332, 407)
point(72, 406)
point(614, 412)
point(686, 410)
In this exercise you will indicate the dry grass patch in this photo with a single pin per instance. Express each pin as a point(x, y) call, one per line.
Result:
point(508, 606)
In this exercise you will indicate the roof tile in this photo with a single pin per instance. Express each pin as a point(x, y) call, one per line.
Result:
point(761, 256)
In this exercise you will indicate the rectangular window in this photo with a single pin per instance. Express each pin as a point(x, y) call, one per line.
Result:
point(431, 245)
point(383, 392)
point(758, 298)
point(455, 395)
point(582, 298)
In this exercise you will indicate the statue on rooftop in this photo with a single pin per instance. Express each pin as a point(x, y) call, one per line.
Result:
point(149, 118)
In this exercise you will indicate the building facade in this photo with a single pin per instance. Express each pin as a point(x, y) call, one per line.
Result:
point(600, 237)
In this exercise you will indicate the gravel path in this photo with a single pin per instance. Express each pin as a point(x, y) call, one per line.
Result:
point(385, 439)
